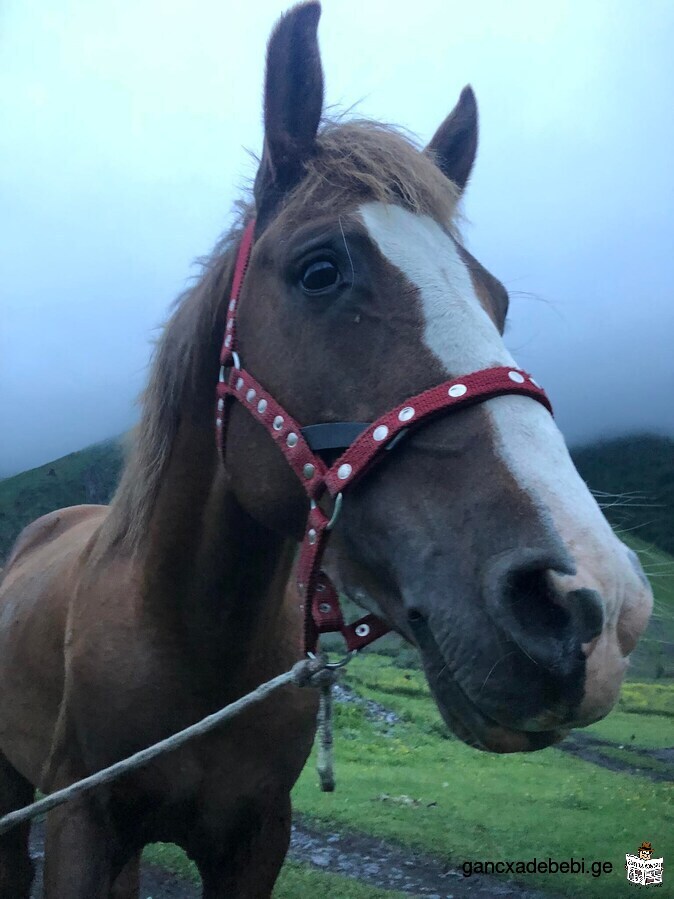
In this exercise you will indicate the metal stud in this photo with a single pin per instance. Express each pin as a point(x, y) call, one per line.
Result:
point(325, 607)
point(278, 423)
point(312, 535)
point(262, 406)
point(218, 422)
point(221, 376)
point(363, 630)
point(250, 396)
point(308, 471)
point(239, 383)
point(232, 305)
point(230, 324)
point(380, 433)
point(457, 390)
point(292, 439)
point(228, 340)
point(344, 471)
point(221, 405)
point(516, 377)
point(406, 413)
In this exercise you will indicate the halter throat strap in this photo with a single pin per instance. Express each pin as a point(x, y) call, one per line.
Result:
point(364, 445)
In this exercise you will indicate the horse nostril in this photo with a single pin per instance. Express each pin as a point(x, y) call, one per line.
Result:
point(549, 624)
point(587, 613)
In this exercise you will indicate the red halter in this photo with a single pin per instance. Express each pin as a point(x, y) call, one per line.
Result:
point(322, 613)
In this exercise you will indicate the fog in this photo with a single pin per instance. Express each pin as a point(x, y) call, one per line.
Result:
point(123, 145)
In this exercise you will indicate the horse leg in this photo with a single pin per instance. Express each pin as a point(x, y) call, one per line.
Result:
point(245, 862)
point(16, 866)
point(127, 882)
point(79, 849)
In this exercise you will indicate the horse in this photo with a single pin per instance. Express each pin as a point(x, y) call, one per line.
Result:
point(474, 538)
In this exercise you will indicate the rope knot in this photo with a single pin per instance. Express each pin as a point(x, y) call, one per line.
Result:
point(314, 673)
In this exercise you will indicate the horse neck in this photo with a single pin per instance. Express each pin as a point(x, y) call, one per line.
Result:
point(210, 570)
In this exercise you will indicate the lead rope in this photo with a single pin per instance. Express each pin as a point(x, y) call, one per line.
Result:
point(308, 673)
point(324, 763)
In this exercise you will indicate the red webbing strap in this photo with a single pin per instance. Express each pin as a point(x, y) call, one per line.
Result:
point(327, 617)
point(242, 258)
point(285, 431)
point(448, 397)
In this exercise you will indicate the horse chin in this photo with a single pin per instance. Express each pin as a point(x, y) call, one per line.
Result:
point(471, 725)
point(464, 717)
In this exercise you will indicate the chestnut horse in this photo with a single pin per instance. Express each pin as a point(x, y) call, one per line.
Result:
point(476, 539)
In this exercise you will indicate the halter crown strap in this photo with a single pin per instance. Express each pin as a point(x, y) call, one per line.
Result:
point(366, 444)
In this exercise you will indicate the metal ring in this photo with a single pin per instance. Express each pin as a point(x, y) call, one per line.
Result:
point(331, 666)
point(335, 512)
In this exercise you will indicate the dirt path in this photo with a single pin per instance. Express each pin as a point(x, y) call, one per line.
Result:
point(385, 864)
point(354, 855)
point(589, 749)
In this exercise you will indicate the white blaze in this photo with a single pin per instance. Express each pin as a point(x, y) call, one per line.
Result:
point(460, 334)
point(457, 330)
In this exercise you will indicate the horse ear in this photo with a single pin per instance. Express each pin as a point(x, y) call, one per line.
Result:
point(293, 103)
point(454, 144)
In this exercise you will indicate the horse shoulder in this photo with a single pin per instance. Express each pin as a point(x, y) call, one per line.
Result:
point(51, 526)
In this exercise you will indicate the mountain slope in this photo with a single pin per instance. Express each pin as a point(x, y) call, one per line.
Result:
point(634, 479)
point(88, 476)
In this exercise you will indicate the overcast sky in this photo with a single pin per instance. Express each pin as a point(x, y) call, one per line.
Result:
point(122, 147)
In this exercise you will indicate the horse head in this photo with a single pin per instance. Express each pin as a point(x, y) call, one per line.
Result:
point(475, 539)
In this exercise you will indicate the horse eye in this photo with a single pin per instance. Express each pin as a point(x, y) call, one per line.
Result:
point(320, 276)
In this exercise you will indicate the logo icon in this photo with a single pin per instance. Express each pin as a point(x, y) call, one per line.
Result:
point(643, 868)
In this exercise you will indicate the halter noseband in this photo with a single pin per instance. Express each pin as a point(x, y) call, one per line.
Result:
point(364, 445)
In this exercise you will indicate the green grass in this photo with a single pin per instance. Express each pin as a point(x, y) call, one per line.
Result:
point(296, 880)
point(643, 731)
point(470, 805)
point(414, 784)
point(647, 699)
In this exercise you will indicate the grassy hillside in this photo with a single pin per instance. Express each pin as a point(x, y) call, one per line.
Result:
point(413, 783)
point(633, 478)
point(88, 476)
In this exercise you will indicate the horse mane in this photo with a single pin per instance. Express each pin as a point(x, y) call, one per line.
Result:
point(356, 161)
point(361, 160)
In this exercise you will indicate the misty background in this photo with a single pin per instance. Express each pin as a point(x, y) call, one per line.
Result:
point(123, 146)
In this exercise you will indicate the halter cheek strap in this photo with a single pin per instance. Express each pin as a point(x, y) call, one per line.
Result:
point(366, 444)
